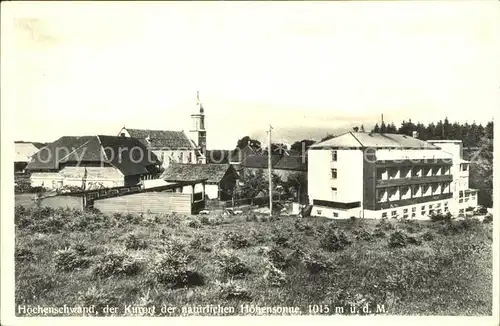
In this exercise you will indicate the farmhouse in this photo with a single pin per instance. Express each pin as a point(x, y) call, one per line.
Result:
point(383, 175)
point(92, 162)
point(23, 153)
point(220, 178)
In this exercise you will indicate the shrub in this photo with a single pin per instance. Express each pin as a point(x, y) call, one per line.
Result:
point(428, 236)
point(250, 216)
point(488, 218)
point(397, 239)
point(98, 298)
point(233, 291)
point(232, 265)
point(274, 276)
point(204, 220)
point(435, 217)
point(316, 262)
point(334, 239)
point(83, 249)
point(301, 226)
point(413, 240)
point(200, 244)
point(235, 240)
point(379, 233)
point(23, 254)
point(132, 242)
point(275, 256)
point(363, 235)
point(111, 264)
point(192, 223)
point(385, 225)
point(172, 269)
point(68, 260)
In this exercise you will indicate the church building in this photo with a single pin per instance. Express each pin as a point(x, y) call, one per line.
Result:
point(173, 146)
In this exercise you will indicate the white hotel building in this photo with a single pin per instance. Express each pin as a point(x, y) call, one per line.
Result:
point(387, 175)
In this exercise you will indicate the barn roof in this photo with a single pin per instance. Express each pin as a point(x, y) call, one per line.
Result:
point(212, 173)
point(167, 139)
point(357, 140)
point(128, 155)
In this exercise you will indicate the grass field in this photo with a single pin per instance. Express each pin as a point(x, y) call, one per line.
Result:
point(72, 258)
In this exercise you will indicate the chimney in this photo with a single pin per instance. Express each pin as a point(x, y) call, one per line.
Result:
point(414, 134)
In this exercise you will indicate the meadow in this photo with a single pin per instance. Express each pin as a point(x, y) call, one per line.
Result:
point(65, 257)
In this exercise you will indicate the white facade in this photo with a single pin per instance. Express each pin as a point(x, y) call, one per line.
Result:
point(73, 176)
point(427, 180)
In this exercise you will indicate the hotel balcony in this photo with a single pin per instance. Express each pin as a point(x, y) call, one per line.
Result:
point(413, 180)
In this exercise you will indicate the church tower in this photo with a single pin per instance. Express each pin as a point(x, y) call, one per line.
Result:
point(198, 132)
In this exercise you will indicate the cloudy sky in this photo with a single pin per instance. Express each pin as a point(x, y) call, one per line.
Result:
point(306, 68)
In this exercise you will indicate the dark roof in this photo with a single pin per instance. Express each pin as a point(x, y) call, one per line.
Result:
point(295, 163)
point(135, 158)
point(260, 161)
point(167, 139)
point(373, 140)
point(218, 156)
point(239, 155)
point(212, 173)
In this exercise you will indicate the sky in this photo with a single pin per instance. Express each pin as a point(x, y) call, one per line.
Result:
point(306, 68)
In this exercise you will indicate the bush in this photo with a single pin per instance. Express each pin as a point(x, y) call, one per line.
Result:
point(111, 264)
point(235, 240)
point(23, 254)
point(301, 226)
point(413, 240)
point(385, 225)
point(436, 217)
point(316, 262)
point(193, 223)
point(363, 235)
point(428, 236)
point(251, 216)
point(232, 291)
point(83, 249)
point(488, 218)
point(334, 239)
point(275, 256)
point(69, 260)
point(281, 237)
point(397, 239)
point(200, 244)
point(132, 242)
point(232, 265)
point(171, 268)
point(379, 233)
point(274, 276)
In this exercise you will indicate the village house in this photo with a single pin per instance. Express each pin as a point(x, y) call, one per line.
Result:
point(373, 175)
point(92, 162)
point(23, 153)
point(175, 146)
point(220, 179)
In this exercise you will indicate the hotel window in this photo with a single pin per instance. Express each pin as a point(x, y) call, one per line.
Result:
point(334, 193)
point(181, 157)
point(405, 210)
point(446, 209)
point(413, 214)
point(334, 173)
point(318, 211)
point(461, 194)
point(422, 213)
point(430, 206)
point(423, 207)
point(405, 216)
point(335, 214)
point(438, 205)
point(384, 214)
point(394, 213)
point(413, 209)
point(334, 156)
point(439, 211)
point(446, 204)
point(461, 211)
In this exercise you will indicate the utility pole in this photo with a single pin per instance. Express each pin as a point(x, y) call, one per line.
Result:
point(270, 174)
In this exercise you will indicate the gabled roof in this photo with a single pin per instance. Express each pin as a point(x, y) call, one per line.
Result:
point(212, 173)
point(259, 161)
point(358, 140)
point(167, 139)
point(36, 144)
point(128, 155)
point(218, 156)
point(24, 151)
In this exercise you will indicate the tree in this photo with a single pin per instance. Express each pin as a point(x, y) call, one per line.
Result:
point(255, 182)
point(481, 171)
point(391, 128)
point(362, 128)
point(327, 137)
point(355, 129)
point(296, 184)
point(376, 128)
point(304, 144)
point(278, 148)
point(383, 128)
point(247, 141)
